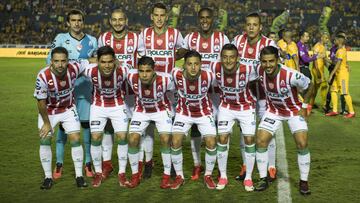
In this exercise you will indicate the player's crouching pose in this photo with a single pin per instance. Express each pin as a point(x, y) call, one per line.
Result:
point(237, 103)
point(55, 98)
point(152, 104)
point(194, 107)
point(281, 85)
point(107, 103)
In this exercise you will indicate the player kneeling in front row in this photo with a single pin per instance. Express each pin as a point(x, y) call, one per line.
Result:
point(107, 103)
point(152, 104)
point(194, 107)
point(281, 85)
point(237, 103)
point(55, 99)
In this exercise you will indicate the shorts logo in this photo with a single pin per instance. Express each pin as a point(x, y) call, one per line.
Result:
point(95, 123)
point(181, 124)
point(269, 120)
point(138, 123)
point(223, 123)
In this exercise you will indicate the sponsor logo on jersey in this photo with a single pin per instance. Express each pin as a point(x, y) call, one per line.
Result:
point(209, 56)
point(242, 83)
point(50, 82)
point(247, 61)
point(156, 53)
point(231, 89)
point(159, 94)
point(223, 123)
point(62, 93)
point(122, 57)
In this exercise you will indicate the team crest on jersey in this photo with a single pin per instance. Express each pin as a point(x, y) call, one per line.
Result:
point(171, 45)
point(271, 85)
point(118, 45)
point(205, 45)
point(130, 49)
point(216, 48)
point(192, 87)
point(107, 82)
point(204, 89)
point(79, 47)
point(229, 80)
point(159, 42)
point(147, 92)
point(63, 83)
point(250, 50)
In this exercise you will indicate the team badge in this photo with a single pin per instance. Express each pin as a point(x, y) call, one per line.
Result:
point(107, 82)
point(118, 45)
point(147, 92)
point(216, 48)
point(79, 47)
point(229, 80)
point(159, 42)
point(130, 49)
point(250, 50)
point(271, 85)
point(205, 45)
point(192, 87)
point(171, 45)
point(62, 83)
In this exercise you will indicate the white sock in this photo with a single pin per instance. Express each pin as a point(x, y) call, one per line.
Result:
point(122, 152)
point(222, 157)
point(304, 166)
point(249, 160)
point(96, 158)
point(133, 154)
point(141, 149)
point(195, 149)
point(77, 154)
point(177, 161)
point(107, 145)
point(272, 152)
point(149, 147)
point(242, 148)
point(210, 160)
point(45, 158)
point(262, 159)
point(166, 159)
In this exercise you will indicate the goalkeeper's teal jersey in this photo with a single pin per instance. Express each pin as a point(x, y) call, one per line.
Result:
point(78, 49)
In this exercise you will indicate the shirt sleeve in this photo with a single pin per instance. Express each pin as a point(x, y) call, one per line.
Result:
point(226, 40)
point(40, 88)
point(341, 55)
point(299, 80)
point(304, 55)
point(171, 84)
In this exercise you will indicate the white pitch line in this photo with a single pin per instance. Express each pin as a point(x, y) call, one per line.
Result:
point(284, 192)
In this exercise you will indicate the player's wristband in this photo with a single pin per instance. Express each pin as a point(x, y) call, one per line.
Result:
point(304, 105)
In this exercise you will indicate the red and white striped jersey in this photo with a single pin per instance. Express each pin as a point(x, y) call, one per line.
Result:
point(209, 48)
point(125, 48)
point(234, 88)
point(108, 91)
point(282, 90)
point(151, 98)
point(161, 47)
point(250, 55)
point(193, 95)
point(57, 91)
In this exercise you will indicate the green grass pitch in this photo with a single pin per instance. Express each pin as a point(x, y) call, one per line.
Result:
point(334, 145)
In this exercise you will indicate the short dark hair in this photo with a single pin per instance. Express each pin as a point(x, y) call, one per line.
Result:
point(254, 15)
point(340, 36)
point(192, 53)
point(146, 60)
point(271, 33)
point(302, 32)
point(75, 12)
point(209, 10)
point(105, 50)
point(59, 50)
point(270, 50)
point(229, 47)
point(159, 5)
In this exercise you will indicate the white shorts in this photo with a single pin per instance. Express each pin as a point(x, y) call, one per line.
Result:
point(69, 120)
point(129, 105)
point(271, 122)
point(205, 124)
point(227, 117)
point(261, 108)
point(99, 116)
point(140, 121)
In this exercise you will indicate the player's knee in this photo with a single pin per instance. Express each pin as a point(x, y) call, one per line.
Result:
point(85, 124)
point(223, 139)
point(249, 139)
point(301, 145)
point(210, 142)
point(165, 140)
point(95, 137)
point(176, 141)
point(134, 139)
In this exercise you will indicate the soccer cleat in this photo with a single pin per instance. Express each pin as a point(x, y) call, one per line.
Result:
point(179, 181)
point(134, 182)
point(196, 172)
point(304, 188)
point(249, 186)
point(222, 183)
point(107, 168)
point(97, 180)
point(122, 179)
point(209, 182)
point(140, 169)
point(350, 115)
point(262, 184)
point(58, 171)
point(148, 169)
point(48, 182)
point(88, 170)
point(272, 174)
point(80, 182)
point(242, 174)
point(165, 182)
point(332, 113)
